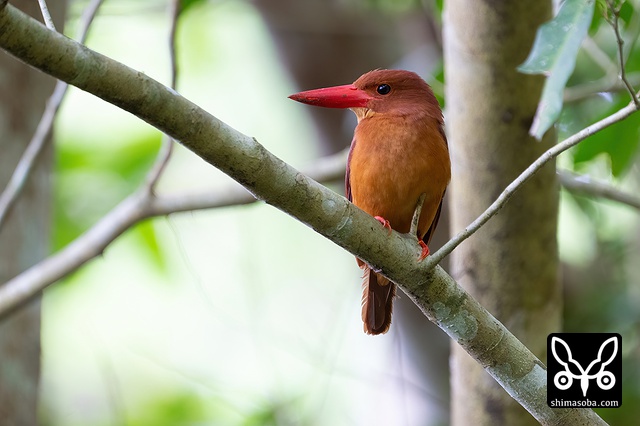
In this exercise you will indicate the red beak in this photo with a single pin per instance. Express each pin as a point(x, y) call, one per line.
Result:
point(347, 96)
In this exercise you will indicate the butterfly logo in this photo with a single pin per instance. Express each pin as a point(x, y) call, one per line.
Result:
point(564, 379)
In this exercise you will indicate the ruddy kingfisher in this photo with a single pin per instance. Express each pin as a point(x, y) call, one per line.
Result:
point(399, 152)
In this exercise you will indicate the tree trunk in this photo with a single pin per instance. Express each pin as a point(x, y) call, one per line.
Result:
point(24, 237)
point(511, 265)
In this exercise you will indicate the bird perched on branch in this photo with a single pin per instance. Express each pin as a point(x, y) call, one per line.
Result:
point(399, 152)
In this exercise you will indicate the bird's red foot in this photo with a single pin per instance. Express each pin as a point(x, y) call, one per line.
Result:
point(425, 251)
point(384, 222)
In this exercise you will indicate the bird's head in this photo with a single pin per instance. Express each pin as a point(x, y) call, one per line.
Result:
point(388, 92)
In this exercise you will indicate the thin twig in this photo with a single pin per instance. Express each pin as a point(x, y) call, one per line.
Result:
point(166, 147)
point(416, 215)
point(25, 164)
point(46, 16)
point(614, 19)
point(88, 15)
point(587, 185)
point(23, 169)
point(525, 175)
point(174, 13)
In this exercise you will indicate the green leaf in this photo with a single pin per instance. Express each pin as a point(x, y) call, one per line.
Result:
point(626, 12)
point(439, 5)
point(188, 4)
point(598, 17)
point(436, 81)
point(554, 54)
point(173, 410)
point(145, 233)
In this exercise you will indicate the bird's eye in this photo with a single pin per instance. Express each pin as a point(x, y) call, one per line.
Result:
point(383, 89)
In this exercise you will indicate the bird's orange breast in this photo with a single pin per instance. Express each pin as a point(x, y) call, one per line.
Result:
point(395, 160)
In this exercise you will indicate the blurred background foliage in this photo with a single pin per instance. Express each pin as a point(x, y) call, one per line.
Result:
point(242, 316)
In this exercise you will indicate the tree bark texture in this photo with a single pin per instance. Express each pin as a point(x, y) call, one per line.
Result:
point(24, 238)
point(510, 265)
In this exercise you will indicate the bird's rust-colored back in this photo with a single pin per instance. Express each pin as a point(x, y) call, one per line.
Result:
point(399, 151)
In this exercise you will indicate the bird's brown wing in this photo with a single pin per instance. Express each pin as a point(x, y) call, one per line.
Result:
point(436, 218)
point(434, 224)
point(347, 181)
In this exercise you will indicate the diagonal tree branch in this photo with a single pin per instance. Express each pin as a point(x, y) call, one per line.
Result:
point(277, 183)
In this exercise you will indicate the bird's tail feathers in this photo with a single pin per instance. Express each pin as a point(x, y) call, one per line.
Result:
point(377, 301)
